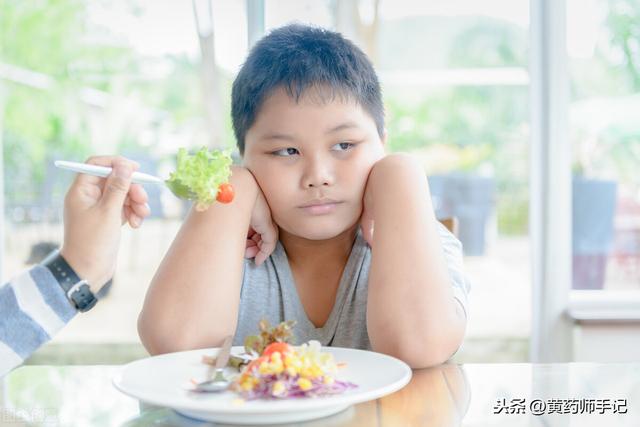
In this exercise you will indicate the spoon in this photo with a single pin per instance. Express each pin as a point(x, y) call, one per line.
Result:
point(218, 382)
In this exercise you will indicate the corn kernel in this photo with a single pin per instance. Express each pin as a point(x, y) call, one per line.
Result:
point(315, 371)
point(278, 368)
point(304, 384)
point(278, 388)
point(264, 368)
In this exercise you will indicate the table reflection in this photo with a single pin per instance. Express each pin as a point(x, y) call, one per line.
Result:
point(447, 395)
point(84, 396)
point(437, 397)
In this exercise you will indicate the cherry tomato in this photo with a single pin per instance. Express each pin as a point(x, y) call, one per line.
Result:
point(225, 193)
point(277, 347)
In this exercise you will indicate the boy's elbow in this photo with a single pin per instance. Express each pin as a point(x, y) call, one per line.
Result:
point(148, 337)
point(429, 359)
point(160, 335)
point(418, 357)
point(424, 352)
point(437, 345)
point(157, 339)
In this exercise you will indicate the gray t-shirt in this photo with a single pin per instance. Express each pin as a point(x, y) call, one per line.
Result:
point(269, 292)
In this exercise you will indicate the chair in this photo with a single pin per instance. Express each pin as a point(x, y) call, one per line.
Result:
point(451, 223)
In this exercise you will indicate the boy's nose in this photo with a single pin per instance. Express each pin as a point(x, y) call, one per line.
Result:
point(317, 174)
point(317, 181)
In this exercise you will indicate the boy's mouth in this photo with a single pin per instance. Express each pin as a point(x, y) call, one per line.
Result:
point(320, 206)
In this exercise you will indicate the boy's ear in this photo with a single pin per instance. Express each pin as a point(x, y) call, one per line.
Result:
point(384, 138)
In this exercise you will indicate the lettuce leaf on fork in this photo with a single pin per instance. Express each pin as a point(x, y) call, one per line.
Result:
point(198, 176)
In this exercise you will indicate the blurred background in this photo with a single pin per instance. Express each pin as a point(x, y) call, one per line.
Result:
point(143, 78)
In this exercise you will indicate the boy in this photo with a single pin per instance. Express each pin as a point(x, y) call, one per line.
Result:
point(308, 117)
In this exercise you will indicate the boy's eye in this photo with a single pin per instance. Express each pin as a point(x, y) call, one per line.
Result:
point(286, 152)
point(343, 146)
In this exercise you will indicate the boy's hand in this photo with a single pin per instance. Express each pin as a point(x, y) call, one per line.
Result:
point(366, 219)
point(94, 210)
point(263, 233)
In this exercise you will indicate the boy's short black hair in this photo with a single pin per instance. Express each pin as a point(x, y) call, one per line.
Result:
point(298, 57)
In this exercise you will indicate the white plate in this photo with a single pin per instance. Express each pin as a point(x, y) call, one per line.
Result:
point(161, 381)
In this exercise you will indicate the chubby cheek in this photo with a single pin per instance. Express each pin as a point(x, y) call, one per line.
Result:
point(358, 184)
point(279, 204)
point(279, 193)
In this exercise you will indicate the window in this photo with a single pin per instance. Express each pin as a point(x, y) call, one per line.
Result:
point(603, 41)
point(138, 78)
point(81, 78)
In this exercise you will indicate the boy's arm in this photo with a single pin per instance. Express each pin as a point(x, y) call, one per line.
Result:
point(193, 299)
point(411, 310)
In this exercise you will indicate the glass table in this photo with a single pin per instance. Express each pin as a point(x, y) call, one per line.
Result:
point(572, 394)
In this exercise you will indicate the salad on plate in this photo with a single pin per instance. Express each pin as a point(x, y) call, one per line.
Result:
point(273, 368)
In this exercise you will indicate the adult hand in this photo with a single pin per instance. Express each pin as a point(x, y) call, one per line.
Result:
point(94, 211)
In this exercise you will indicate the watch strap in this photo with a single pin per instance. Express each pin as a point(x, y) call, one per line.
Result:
point(76, 289)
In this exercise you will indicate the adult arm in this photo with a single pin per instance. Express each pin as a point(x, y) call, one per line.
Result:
point(33, 306)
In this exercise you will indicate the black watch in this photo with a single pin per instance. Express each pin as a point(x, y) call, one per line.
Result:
point(76, 289)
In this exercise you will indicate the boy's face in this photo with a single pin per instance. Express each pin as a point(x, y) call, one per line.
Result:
point(312, 160)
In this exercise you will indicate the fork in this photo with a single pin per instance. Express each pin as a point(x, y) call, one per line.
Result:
point(218, 382)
